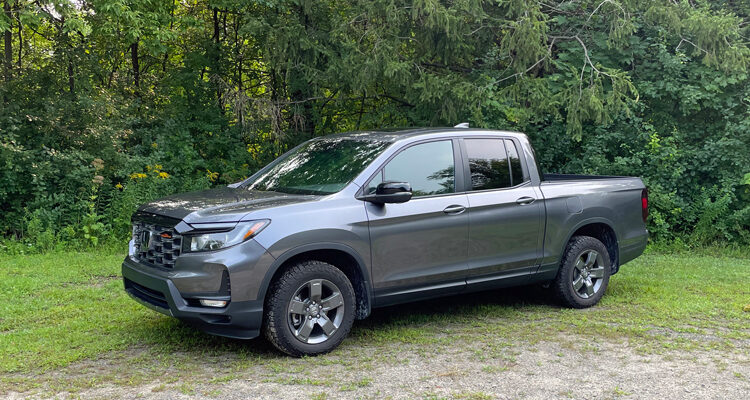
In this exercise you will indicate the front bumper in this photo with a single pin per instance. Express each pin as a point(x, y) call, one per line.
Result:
point(172, 292)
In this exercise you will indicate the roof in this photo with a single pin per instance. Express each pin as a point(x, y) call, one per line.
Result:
point(394, 135)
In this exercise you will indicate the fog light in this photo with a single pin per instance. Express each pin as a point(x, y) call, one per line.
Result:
point(213, 303)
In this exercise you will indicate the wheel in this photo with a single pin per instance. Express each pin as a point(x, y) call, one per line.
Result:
point(310, 309)
point(584, 272)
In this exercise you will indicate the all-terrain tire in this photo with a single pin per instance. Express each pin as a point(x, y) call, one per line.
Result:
point(279, 321)
point(579, 285)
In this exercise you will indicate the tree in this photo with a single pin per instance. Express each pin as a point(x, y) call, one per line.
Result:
point(218, 88)
point(7, 25)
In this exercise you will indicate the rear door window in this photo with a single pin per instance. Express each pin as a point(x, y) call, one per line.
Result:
point(488, 164)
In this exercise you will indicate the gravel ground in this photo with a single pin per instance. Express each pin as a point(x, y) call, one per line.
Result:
point(564, 367)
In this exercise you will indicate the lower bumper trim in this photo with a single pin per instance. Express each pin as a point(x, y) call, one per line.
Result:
point(145, 294)
point(241, 320)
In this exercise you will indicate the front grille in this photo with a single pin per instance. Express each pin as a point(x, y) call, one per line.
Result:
point(156, 244)
point(148, 295)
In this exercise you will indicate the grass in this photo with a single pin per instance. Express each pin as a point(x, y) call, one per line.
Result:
point(67, 311)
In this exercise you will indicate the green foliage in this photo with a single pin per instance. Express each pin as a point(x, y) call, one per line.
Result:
point(212, 90)
point(141, 187)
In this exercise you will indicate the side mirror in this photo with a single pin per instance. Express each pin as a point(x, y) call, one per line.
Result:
point(390, 192)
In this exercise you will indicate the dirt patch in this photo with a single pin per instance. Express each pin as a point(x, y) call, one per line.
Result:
point(564, 367)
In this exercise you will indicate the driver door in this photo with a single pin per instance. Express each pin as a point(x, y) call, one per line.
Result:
point(419, 248)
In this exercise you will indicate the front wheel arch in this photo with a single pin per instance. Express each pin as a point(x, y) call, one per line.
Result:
point(339, 255)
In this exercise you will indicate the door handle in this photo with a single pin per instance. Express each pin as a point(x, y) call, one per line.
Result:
point(525, 200)
point(454, 209)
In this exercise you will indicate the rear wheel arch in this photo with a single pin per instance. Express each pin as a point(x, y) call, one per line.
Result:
point(601, 230)
point(340, 256)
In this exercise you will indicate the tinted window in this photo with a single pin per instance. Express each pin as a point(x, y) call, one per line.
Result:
point(428, 167)
point(515, 162)
point(321, 166)
point(488, 164)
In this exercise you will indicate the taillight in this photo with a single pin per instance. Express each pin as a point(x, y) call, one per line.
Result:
point(644, 204)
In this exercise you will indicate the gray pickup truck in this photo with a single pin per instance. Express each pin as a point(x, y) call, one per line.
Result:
point(344, 223)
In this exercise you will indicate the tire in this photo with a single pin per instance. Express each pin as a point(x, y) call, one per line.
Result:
point(303, 313)
point(584, 273)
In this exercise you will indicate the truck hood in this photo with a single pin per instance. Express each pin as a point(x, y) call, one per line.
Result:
point(223, 204)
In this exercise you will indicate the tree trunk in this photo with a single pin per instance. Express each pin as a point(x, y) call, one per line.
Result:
point(171, 25)
point(217, 59)
point(8, 62)
point(303, 93)
point(216, 25)
point(275, 109)
point(71, 78)
point(20, 42)
point(238, 52)
point(361, 110)
point(136, 68)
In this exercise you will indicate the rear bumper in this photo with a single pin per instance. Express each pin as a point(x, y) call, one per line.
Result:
point(158, 289)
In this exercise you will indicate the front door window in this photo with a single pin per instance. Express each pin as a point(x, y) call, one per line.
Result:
point(427, 167)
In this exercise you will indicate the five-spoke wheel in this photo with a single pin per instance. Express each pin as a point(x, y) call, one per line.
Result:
point(584, 272)
point(309, 309)
point(316, 311)
point(588, 274)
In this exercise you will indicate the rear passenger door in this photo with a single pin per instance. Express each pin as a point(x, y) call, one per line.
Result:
point(505, 215)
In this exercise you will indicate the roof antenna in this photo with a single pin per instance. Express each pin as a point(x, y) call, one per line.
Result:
point(462, 125)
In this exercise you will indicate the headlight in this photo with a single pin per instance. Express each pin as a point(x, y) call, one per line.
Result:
point(219, 240)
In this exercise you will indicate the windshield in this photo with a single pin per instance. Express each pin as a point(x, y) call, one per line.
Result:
point(319, 166)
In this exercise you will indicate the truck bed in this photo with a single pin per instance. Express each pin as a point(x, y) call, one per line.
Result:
point(577, 177)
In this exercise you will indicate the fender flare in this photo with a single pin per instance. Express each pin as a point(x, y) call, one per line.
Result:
point(284, 257)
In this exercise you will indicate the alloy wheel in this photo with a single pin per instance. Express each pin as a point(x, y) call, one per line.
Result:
point(315, 311)
point(588, 274)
